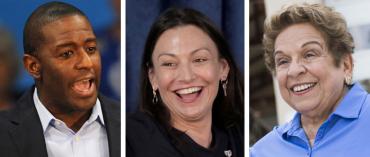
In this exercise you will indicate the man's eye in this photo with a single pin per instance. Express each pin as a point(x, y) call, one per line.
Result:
point(66, 54)
point(91, 50)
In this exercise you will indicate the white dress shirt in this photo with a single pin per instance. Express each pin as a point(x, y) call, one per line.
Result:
point(89, 141)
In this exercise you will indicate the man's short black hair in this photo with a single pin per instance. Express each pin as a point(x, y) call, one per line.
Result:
point(44, 14)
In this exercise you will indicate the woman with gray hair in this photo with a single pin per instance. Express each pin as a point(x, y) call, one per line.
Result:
point(309, 50)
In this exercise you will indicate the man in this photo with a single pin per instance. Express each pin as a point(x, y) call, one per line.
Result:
point(63, 115)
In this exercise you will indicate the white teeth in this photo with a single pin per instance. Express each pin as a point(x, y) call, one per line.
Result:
point(302, 87)
point(189, 90)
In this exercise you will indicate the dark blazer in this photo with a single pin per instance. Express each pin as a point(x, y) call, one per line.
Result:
point(21, 133)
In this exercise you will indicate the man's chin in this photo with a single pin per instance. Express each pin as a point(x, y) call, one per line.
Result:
point(84, 104)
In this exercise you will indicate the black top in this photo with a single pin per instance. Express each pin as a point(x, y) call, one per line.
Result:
point(147, 138)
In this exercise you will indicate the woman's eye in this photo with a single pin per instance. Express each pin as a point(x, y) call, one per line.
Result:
point(168, 64)
point(282, 62)
point(200, 60)
point(309, 54)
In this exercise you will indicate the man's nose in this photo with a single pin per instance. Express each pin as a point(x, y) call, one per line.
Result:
point(84, 60)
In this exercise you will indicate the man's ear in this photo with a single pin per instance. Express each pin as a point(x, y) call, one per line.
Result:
point(32, 65)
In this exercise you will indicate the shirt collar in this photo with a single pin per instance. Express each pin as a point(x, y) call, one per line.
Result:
point(46, 117)
point(349, 107)
point(293, 125)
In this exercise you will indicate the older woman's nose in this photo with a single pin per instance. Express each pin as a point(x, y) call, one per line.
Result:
point(295, 69)
point(186, 73)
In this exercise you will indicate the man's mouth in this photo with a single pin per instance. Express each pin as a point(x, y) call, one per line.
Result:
point(84, 88)
point(302, 88)
point(189, 95)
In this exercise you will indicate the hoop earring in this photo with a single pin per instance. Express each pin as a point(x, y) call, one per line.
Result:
point(224, 86)
point(348, 80)
point(155, 98)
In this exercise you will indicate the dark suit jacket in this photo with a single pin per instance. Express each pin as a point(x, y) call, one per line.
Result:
point(21, 133)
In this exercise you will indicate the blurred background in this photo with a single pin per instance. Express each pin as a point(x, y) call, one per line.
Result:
point(228, 15)
point(267, 108)
point(104, 16)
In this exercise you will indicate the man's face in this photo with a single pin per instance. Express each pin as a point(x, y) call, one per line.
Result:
point(69, 65)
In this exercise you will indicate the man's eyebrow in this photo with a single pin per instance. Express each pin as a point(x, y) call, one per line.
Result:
point(70, 43)
point(66, 44)
point(90, 40)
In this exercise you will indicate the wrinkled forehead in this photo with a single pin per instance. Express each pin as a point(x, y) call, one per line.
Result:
point(297, 36)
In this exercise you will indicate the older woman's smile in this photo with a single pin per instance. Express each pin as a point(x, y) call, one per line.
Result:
point(302, 88)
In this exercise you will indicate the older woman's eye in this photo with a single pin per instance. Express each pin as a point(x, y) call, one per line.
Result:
point(282, 62)
point(309, 54)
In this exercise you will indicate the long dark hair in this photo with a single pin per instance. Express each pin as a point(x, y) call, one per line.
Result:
point(227, 111)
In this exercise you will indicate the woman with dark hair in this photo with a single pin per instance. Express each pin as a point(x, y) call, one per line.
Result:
point(192, 92)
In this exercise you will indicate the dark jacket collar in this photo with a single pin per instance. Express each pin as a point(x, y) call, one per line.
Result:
point(26, 130)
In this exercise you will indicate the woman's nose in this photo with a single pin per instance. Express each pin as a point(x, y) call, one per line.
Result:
point(186, 73)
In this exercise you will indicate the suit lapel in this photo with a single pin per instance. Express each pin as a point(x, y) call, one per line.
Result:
point(26, 130)
point(112, 119)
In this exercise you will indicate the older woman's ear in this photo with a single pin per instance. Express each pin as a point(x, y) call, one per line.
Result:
point(348, 64)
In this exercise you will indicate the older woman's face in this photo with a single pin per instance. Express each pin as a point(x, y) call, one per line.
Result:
point(187, 70)
point(308, 79)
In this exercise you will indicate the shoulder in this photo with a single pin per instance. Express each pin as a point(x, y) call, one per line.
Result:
point(7, 146)
point(110, 107)
point(109, 102)
point(270, 144)
point(145, 138)
point(5, 120)
point(140, 123)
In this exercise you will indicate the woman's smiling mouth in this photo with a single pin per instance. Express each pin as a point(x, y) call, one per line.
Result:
point(189, 95)
point(303, 88)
